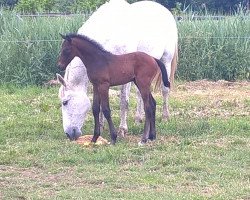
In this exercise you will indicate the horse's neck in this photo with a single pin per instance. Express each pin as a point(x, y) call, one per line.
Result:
point(76, 75)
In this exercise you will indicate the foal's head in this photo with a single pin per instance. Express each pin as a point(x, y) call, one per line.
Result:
point(68, 52)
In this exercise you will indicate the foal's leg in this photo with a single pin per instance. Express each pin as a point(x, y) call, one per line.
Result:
point(96, 112)
point(148, 119)
point(139, 108)
point(124, 100)
point(149, 111)
point(104, 97)
point(152, 132)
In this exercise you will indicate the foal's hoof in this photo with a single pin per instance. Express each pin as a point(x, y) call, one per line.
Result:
point(142, 143)
point(113, 142)
point(151, 137)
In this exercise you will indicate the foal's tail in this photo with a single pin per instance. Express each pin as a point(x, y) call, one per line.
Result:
point(164, 75)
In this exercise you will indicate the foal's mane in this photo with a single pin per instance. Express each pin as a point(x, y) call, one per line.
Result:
point(84, 37)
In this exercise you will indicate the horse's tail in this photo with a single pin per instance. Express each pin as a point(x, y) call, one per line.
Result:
point(158, 77)
point(174, 64)
point(163, 75)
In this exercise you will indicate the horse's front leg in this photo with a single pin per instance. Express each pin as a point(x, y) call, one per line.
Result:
point(124, 100)
point(104, 97)
point(96, 112)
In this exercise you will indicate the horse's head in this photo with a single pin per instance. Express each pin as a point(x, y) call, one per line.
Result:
point(68, 52)
point(75, 105)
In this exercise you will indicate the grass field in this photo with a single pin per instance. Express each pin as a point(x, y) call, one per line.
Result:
point(203, 152)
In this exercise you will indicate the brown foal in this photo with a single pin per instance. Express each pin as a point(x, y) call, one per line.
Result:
point(105, 69)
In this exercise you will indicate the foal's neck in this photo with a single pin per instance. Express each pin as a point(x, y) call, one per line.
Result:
point(91, 55)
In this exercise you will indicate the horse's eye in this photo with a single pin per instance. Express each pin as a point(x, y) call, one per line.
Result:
point(65, 102)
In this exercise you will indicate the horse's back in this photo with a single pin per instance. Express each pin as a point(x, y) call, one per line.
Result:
point(158, 26)
point(106, 22)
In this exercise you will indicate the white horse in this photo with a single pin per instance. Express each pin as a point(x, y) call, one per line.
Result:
point(144, 26)
point(74, 100)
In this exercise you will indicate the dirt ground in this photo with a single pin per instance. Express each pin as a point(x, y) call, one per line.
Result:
point(221, 98)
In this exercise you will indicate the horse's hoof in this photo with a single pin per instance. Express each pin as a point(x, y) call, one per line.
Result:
point(165, 117)
point(138, 120)
point(122, 132)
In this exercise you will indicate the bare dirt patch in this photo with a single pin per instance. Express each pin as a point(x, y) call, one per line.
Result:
point(220, 98)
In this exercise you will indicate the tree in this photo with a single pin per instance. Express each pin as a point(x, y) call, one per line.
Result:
point(8, 3)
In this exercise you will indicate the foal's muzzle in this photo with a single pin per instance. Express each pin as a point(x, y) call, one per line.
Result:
point(60, 66)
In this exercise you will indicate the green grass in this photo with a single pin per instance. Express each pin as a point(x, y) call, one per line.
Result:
point(197, 154)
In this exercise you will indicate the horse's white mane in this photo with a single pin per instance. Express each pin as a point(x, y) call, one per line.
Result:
point(75, 77)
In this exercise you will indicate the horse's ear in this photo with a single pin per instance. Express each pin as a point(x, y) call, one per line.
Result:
point(65, 37)
point(61, 80)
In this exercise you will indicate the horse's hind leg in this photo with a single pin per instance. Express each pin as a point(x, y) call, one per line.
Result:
point(152, 132)
point(124, 100)
point(166, 59)
point(165, 107)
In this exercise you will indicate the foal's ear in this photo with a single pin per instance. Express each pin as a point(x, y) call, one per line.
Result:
point(61, 80)
point(65, 37)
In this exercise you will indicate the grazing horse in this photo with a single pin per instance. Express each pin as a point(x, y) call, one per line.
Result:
point(144, 26)
point(74, 100)
point(105, 69)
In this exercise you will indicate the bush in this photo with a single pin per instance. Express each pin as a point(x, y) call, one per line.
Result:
point(62, 6)
point(35, 6)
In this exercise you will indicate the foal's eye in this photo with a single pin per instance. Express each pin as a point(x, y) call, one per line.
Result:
point(65, 102)
point(66, 52)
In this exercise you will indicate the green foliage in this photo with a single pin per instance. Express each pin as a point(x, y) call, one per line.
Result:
point(88, 5)
point(214, 49)
point(62, 6)
point(35, 6)
point(30, 46)
point(8, 3)
point(28, 6)
point(213, 6)
point(73, 6)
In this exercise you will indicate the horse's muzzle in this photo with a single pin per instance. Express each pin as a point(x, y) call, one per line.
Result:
point(74, 134)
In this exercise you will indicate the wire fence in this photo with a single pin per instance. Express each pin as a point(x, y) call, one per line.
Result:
point(202, 37)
